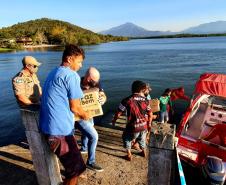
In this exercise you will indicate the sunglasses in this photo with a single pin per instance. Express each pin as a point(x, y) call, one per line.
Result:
point(34, 66)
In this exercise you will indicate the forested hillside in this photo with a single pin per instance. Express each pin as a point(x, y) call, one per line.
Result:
point(50, 31)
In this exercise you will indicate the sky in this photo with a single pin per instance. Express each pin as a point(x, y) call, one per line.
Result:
point(99, 15)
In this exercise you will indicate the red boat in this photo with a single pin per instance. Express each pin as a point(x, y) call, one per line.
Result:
point(202, 130)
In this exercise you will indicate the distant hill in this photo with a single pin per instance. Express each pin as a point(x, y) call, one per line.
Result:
point(51, 31)
point(208, 28)
point(132, 30)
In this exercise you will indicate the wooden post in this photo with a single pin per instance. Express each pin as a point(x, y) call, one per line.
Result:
point(161, 167)
point(45, 162)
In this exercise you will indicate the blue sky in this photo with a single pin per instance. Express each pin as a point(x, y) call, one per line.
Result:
point(98, 15)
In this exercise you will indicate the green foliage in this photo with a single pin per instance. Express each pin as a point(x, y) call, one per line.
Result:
point(50, 31)
point(9, 44)
point(39, 38)
point(14, 46)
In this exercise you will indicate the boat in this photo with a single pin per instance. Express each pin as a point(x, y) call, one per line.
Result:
point(205, 113)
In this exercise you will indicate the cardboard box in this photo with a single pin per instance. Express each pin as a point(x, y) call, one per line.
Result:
point(154, 103)
point(90, 102)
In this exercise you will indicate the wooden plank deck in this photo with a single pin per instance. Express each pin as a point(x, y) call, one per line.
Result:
point(16, 165)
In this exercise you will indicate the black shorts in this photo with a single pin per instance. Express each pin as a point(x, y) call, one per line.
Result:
point(66, 149)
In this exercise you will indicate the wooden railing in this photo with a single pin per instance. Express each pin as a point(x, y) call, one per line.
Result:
point(162, 156)
point(45, 162)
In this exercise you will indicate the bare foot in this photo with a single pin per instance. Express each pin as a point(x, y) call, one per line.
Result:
point(143, 153)
point(128, 157)
point(136, 146)
point(83, 176)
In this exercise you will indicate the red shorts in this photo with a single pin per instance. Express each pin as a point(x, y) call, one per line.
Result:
point(66, 149)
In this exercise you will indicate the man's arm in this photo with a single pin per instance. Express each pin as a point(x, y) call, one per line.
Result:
point(150, 118)
point(116, 116)
point(22, 98)
point(120, 110)
point(37, 82)
point(77, 109)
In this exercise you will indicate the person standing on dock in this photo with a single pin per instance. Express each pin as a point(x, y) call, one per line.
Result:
point(89, 137)
point(60, 102)
point(164, 103)
point(139, 117)
point(26, 85)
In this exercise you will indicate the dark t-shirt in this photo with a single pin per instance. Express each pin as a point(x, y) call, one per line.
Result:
point(137, 108)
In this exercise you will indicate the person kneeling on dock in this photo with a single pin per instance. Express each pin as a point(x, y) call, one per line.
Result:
point(139, 116)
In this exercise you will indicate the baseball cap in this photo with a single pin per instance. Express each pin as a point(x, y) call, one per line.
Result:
point(30, 60)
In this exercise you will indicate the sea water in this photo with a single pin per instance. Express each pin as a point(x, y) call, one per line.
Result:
point(164, 63)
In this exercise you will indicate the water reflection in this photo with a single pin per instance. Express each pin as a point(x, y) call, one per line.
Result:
point(44, 49)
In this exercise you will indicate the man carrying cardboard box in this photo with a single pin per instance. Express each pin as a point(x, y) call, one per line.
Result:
point(89, 134)
point(60, 102)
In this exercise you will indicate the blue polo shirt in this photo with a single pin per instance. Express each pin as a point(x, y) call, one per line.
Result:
point(61, 85)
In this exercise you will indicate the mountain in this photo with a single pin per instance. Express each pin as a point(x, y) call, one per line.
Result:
point(132, 30)
point(51, 31)
point(207, 28)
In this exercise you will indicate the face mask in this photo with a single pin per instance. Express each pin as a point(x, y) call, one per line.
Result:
point(148, 97)
point(33, 69)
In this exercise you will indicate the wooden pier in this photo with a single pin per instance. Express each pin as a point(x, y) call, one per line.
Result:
point(16, 166)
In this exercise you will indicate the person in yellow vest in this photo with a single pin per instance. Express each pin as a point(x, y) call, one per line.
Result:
point(26, 85)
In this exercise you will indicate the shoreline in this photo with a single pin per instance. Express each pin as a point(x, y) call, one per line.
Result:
point(41, 46)
point(5, 49)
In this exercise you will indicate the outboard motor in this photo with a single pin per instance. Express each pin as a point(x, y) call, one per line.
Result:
point(214, 171)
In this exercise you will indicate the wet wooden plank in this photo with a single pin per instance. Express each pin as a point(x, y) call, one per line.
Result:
point(161, 168)
point(109, 155)
point(162, 136)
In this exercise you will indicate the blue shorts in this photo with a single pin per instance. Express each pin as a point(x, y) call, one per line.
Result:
point(164, 117)
point(140, 137)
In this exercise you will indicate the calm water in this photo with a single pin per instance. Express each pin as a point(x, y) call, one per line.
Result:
point(162, 62)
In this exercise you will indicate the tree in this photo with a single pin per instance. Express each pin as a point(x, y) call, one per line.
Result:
point(55, 32)
point(39, 37)
point(82, 41)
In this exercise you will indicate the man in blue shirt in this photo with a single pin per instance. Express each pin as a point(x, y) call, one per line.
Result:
point(60, 102)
